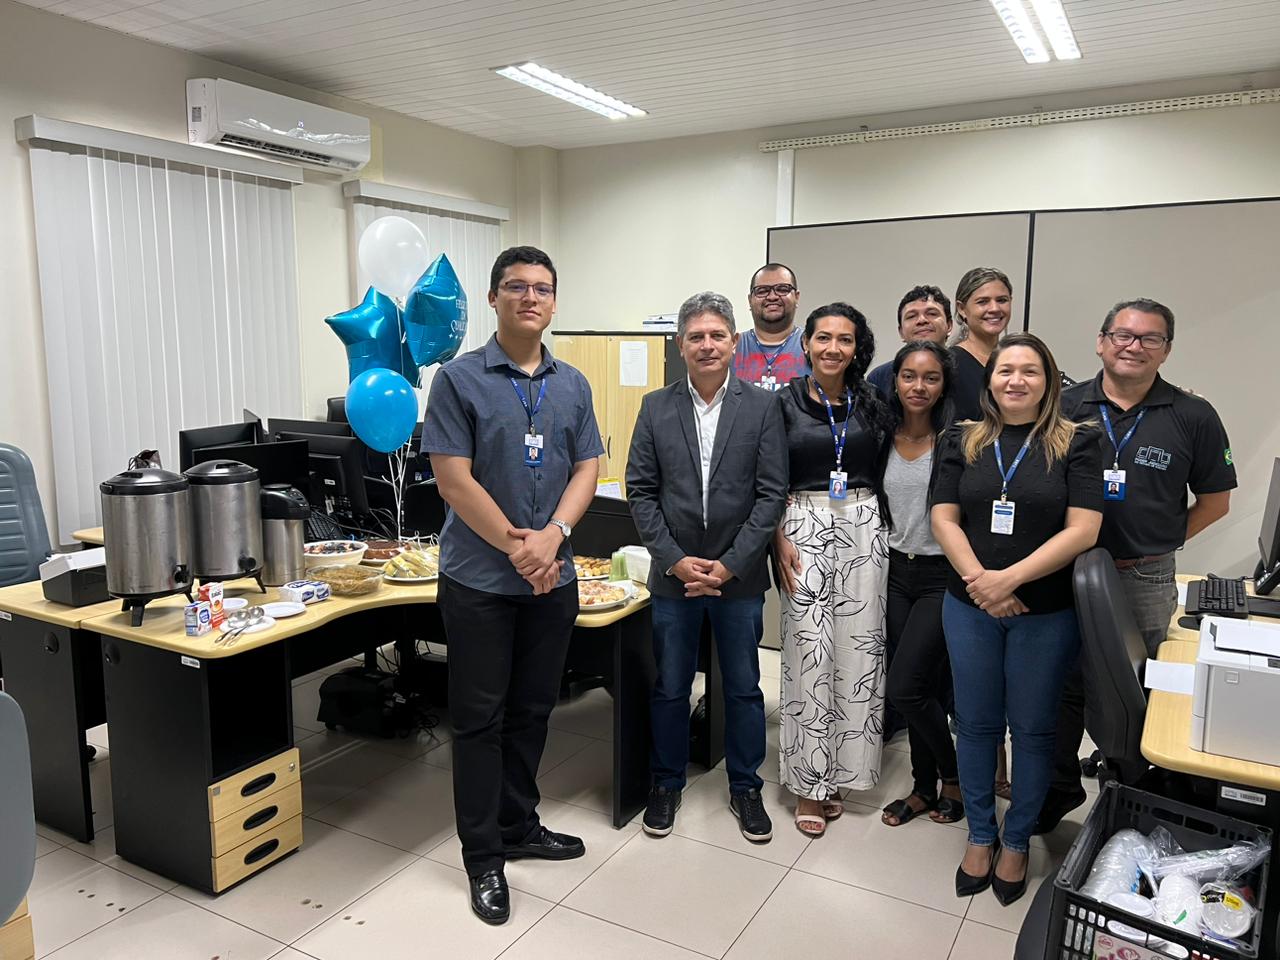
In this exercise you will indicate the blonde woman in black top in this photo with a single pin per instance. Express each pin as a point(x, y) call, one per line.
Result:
point(1017, 496)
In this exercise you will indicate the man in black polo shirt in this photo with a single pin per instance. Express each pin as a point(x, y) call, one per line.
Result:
point(1157, 441)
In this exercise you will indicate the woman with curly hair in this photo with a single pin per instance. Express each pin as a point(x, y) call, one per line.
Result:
point(833, 567)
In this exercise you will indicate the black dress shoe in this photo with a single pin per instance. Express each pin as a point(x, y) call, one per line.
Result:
point(490, 900)
point(660, 814)
point(967, 884)
point(546, 845)
point(1007, 891)
point(1057, 804)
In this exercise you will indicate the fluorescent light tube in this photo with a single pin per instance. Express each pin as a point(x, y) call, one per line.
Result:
point(1054, 23)
point(1017, 21)
point(550, 82)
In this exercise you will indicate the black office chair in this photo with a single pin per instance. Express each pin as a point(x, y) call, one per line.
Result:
point(1112, 659)
point(336, 410)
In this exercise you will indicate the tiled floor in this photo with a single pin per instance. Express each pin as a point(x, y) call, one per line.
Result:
point(379, 874)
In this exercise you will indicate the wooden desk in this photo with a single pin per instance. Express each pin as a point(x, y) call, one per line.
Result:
point(91, 536)
point(53, 668)
point(189, 721)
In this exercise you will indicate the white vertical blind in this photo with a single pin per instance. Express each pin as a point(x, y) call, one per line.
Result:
point(169, 294)
point(472, 244)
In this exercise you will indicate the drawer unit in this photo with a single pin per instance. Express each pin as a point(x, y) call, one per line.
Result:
point(262, 850)
point(16, 942)
point(249, 786)
point(236, 829)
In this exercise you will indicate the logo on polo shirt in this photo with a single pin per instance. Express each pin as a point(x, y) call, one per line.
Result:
point(1226, 455)
point(1153, 457)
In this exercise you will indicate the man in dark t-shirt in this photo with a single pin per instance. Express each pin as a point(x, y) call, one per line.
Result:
point(924, 313)
point(1158, 442)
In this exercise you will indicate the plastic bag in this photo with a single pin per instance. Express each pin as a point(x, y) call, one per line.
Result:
point(1116, 869)
point(1208, 866)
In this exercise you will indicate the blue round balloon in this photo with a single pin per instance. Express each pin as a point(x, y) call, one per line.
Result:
point(382, 409)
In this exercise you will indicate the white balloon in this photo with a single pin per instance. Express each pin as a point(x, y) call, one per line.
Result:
point(393, 254)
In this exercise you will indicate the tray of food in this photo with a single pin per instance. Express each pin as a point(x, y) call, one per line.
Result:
point(347, 579)
point(591, 568)
point(380, 551)
point(597, 595)
point(334, 552)
point(413, 565)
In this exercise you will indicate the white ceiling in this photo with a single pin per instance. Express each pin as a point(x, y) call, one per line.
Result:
point(697, 67)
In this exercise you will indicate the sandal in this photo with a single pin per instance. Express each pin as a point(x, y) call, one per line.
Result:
point(811, 825)
point(903, 812)
point(948, 809)
point(832, 809)
point(1003, 789)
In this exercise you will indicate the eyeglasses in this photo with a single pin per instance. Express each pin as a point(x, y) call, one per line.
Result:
point(518, 288)
point(781, 289)
point(1125, 338)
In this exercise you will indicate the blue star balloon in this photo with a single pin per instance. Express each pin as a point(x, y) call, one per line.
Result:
point(435, 314)
point(371, 332)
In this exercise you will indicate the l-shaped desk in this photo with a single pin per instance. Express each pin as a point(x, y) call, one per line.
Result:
point(205, 778)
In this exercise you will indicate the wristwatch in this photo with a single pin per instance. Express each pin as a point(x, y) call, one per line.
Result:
point(564, 527)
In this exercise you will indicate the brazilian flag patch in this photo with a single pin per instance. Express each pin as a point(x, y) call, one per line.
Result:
point(1226, 455)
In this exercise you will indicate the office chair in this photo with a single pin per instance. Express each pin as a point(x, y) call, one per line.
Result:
point(336, 410)
point(24, 535)
point(1112, 659)
point(17, 812)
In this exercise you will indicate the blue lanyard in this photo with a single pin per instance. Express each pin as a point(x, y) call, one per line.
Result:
point(831, 420)
point(524, 401)
point(1106, 422)
point(1006, 477)
point(771, 358)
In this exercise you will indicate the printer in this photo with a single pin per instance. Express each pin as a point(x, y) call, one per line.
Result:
point(76, 579)
point(1237, 687)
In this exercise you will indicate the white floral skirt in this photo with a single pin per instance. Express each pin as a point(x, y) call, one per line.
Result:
point(833, 642)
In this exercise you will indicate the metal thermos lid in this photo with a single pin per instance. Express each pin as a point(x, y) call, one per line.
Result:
point(142, 483)
point(283, 502)
point(214, 472)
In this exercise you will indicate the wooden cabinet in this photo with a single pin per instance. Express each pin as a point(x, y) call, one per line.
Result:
point(646, 361)
point(16, 942)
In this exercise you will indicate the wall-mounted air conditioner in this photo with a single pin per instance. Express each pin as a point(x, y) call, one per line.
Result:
point(234, 115)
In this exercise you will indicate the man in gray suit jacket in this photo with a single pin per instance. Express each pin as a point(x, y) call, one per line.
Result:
point(707, 484)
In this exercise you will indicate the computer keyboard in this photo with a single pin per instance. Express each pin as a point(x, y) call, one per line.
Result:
point(1217, 598)
point(322, 527)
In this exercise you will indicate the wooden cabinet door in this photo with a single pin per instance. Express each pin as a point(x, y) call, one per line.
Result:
point(590, 356)
point(622, 403)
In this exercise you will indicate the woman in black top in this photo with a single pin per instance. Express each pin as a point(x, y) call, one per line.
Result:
point(984, 304)
point(1017, 496)
point(832, 566)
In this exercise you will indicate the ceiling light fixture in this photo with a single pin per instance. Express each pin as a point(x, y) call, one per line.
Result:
point(1054, 23)
point(550, 82)
point(1017, 21)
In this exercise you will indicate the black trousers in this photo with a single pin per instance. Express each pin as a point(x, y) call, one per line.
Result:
point(506, 657)
point(920, 673)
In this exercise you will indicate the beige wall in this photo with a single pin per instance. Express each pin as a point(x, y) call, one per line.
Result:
point(69, 70)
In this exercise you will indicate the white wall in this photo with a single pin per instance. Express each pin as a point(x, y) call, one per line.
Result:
point(69, 70)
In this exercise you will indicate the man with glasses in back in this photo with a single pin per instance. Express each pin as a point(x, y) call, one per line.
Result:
point(514, 446)
point(1158, 441)
point(769, 355)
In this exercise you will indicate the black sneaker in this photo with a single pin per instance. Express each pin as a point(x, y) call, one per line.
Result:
point(660, 814)
point(748, 807)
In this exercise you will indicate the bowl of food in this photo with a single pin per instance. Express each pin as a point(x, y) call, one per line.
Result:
point(597, 595)
point(334, 553)
point(347, 579)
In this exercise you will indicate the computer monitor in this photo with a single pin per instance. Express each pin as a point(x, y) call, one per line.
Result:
point(220, 436)
point(317, 428)
point(1268, 574)
point(606, 525)
point(337, 470)
point(417, 466)
point(283, 462)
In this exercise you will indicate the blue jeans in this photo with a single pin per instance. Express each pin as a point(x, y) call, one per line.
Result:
point(738, 627)
point(1006, 667)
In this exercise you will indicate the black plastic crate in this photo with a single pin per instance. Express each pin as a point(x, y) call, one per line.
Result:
point(1075, 918)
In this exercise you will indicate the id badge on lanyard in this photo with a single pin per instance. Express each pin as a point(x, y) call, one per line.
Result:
point(1002, 510)
point(1113, 480)
point(838, 482)
point(533, 444)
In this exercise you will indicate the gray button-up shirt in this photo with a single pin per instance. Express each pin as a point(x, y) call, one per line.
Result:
point(474, 412)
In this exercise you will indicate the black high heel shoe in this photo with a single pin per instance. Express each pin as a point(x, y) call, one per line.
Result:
point(1008, 891)
point(967, 884)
